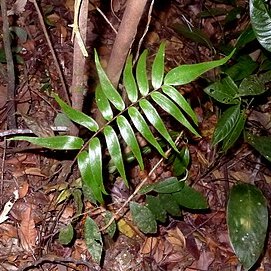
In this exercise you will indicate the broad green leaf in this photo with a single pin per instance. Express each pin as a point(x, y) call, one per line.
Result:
point(66, 234)
point(141, 125)
point(95, 159)
point(181, 161)
point(143, 218)
point(235, 133)
point(93, 239)
point(194, 34)
point(224, 91)
point(252, 85)
point(128, 135)
point(244, 67)
point(169, 204)
point(247, 219)
point(114, 150)
point(190, 198)
point(156, 207)
point(261, 143)
point(155, 119)
point(178, 98)
point(157, 74)
point(129, 80)
point(185, 74)
point(55, 142)
point(246, 37)
point(87, 175)
point(103, 103)
point(166, 104)
point(111, 230)
point(108, 89)
point(261, 21)
point(77, 116)
point(226, 123)
point(141, 74)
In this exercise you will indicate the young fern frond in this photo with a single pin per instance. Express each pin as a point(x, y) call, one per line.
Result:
point(140, 97)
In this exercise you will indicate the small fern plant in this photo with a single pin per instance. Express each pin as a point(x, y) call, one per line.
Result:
point(126, 120)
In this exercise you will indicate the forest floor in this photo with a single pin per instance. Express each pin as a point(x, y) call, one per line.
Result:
point(191, 241)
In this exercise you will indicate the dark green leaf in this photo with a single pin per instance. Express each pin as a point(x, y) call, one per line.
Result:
point(158, 67)
point(247, 219)
point(226, 123)
point(246, 37)
point(77, 116)
point(143, 128)
point(224, 91)
point(77, 195)
point(93, 239)
point(66, 234)
point(112, 228)
point(181, 162)
point(85, 168)
point(171, 108)
point(190, 198)
point(178, 98)
point(114, 150)
point(95, 159)
point(185, 74)
point(156, 207)
point(155, 119)
point(261, 143)
point(261, 21)
point(169, 185)
point(129, 80)
point(108, 89)
point(141, 74)
point(103, 103)
point(235, 133)
point(128, 135)
point(251, 85)
point(170, 205)
point(143, 218)
point(55, 142)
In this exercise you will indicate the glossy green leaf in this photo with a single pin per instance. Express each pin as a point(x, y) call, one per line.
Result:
point(252, 85)
point(141, 125)
point(93, 239)
point(155, 119)
point(226, 123)
point(185, 74)
point(181, 162)
point(128, 135)
point(246, 37)
point(108, 89)
point(143, 218)
point(224, 91)
point(141, 74)
point(166, 104)
point(55, 142)
point(129, 80)
point(229, 141)
point(157, 74)
point(103, 103)
point(156, 207)
point(261, 143)
point(178, 98)
point(261, 20)
point(114, 150)
point(247, 219)
point(110, 230)
point(77, 116)
point(85, 168)
point(190, 198)
point(169, 204)
point(95, 159)
point(66, 234)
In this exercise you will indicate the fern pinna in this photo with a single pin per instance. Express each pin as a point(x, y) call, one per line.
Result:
point(140, 109)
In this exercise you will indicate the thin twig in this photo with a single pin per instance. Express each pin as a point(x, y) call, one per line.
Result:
point(60, 74)
point(139, 187)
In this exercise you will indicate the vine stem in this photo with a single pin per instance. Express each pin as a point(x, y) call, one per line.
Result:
point(115, 216)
